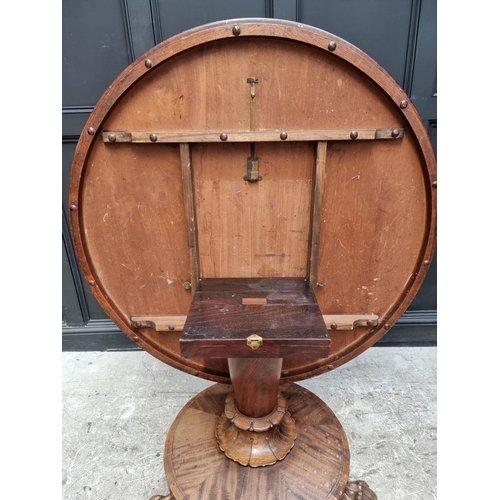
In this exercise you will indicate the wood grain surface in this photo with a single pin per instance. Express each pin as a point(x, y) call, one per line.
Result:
point(289, 322)
point(317, 467)
point(376, 225)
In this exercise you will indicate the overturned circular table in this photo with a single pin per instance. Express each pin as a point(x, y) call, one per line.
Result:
point(253, 202)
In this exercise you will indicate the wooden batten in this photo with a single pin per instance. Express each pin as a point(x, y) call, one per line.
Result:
point(353, 133)
point(332, 321)
point(316, 207)
point(189, 205)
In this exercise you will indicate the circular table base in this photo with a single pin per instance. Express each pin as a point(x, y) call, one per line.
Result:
point(316, 468)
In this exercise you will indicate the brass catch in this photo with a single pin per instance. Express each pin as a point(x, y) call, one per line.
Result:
point(252, 170)
point(254, 341)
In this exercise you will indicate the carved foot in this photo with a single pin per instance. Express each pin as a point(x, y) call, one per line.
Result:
point(256, 442)
point(358, 490)
point(163, 497)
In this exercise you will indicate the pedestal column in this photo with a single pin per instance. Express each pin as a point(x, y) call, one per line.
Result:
point(255, 429)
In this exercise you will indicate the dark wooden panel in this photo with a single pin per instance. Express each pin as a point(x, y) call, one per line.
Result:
point(283, 311)
point(425, 68)
point(95, 42)
point(71, 309)
point(286, 9)
point(178, 16)
point(92, 338)
point(381, 29)
point(139, 22)
point(73, 121)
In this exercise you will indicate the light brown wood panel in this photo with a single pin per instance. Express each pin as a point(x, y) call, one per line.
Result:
point(374, 222)
point(256, 229)
point(378, 220)
point(135, 227)
point(206, 88)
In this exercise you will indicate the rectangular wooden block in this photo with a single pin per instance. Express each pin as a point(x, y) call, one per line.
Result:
point(226, 311)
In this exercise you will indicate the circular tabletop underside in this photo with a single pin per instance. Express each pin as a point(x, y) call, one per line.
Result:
point(158, 197)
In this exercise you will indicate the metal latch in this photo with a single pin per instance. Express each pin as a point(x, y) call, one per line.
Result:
point(252, 170)
point(254, 341)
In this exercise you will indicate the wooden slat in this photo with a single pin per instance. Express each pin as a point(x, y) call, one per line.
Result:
point(319, 182)
point(189, 205)
point(250, 136)
point(349, 321)
point(160, 323)
point(176, 323)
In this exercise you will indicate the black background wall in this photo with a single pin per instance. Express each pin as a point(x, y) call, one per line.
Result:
point(100, 39)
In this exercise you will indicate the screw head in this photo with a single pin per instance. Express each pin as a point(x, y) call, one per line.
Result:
point(332, 46)
point(112, 137)
point(395, 133)
point(153, 137)
point(354, 135)
point(387, 326)
point(435, 184)
point(330, 367)
point(148, 63)
point(403, 104)
point(135, 338)
point(236, 30)
point(223, 136)
point(73, 207)
point(283, 136)
point(91, 131)
point(171, 327)
point(427, 262)
point(333, 326)
point(91, 282)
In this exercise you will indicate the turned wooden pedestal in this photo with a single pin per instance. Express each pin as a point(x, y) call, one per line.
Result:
point(255, 439)
point(316, 468)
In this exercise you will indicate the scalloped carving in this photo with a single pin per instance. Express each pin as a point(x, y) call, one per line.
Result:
point(255, 424)
point(256, 449)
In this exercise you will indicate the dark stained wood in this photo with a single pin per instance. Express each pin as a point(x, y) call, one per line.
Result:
point(255, 428)
point(290, 322)
point(378, 224)
point(317, 467)
point(255, 384)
